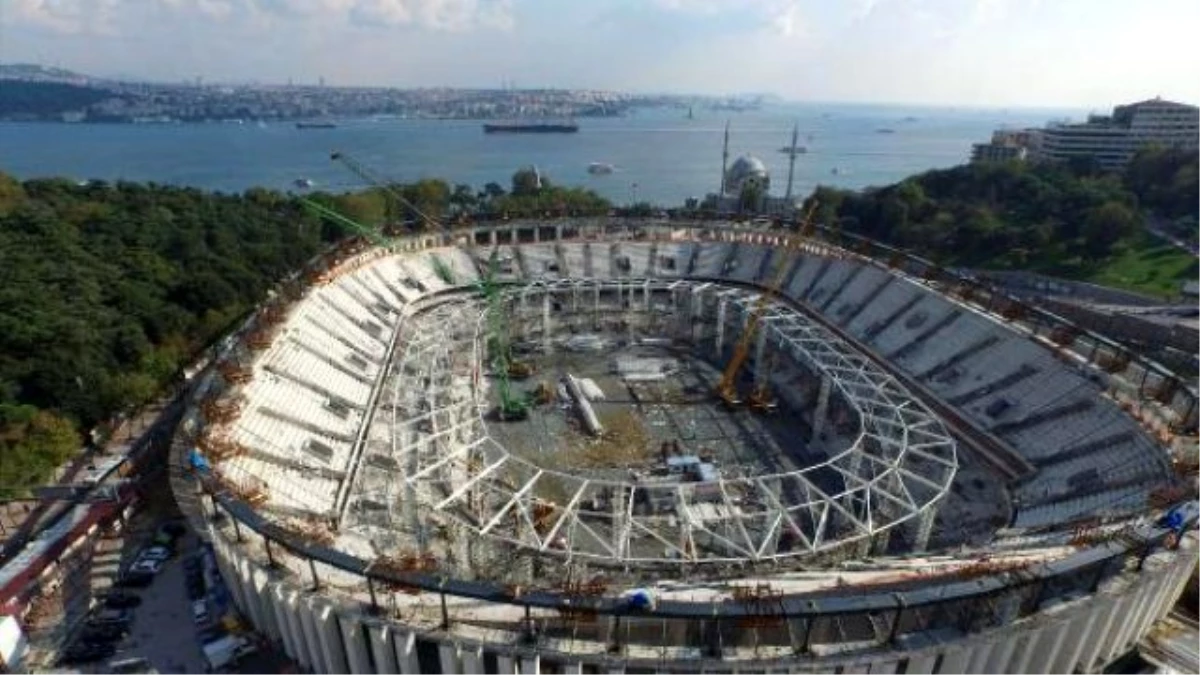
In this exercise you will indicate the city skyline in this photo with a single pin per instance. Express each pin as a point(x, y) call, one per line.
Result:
point(1003, 53)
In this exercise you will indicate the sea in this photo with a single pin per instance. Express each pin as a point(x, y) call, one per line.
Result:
point(660, 155)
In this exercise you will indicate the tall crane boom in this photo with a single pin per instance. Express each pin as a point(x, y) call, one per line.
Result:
point(381, 182)
point(727, 387)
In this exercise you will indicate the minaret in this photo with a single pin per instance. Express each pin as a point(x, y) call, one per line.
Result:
point(724, 158)
point(792, 151)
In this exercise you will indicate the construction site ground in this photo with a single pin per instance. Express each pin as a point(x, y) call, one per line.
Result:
point(639, 416)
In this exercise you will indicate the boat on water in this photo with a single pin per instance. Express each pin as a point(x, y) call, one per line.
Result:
point(315, 125)
point(600, 168)
point(530, 128)
point(885, 130)
point(799, 149)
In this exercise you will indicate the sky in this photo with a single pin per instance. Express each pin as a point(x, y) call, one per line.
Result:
point(1087, 54)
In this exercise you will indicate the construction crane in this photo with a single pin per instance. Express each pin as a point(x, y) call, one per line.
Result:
point(760, 397)
point(505, 367)
point(379, 181)
point(511, 407)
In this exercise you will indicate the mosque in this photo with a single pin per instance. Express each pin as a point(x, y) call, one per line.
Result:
point(746, 184)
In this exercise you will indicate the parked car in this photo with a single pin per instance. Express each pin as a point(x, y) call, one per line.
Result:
point(161, 553)
point(150, 567)
point(134, 579)
point(118, 600)
point(110, 617)
point(200, 612)
point(110, 633)
point(86, 654)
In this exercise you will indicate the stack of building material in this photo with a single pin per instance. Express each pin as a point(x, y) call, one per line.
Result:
point(642, 369)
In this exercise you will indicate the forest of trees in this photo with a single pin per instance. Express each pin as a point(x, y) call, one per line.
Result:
point(107, 288)
point(1057, 217)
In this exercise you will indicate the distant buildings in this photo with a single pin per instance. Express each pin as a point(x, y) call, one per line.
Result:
point(1111, 140)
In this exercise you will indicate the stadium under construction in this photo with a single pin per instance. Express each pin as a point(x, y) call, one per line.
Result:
point(521, 447)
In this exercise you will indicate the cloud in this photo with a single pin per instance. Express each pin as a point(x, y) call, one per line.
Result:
point(105, 16)
point(70, 17)
point(781, 16)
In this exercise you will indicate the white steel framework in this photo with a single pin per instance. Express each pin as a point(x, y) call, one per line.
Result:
point(446, 472)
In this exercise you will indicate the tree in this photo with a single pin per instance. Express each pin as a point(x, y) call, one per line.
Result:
point(1105, 225)
point(492, 191)
point(527, 182)
point(463, 198)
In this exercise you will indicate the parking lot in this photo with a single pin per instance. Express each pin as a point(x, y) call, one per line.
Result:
point(162, 630)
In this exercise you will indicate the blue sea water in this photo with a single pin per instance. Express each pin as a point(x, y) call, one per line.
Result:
point(659, 154)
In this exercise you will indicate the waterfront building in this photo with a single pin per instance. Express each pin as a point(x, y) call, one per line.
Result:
point(1112, 140)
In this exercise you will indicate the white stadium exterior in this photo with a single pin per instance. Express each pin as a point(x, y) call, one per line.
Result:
point(954, 482)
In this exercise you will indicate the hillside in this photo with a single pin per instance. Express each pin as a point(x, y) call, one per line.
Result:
point(24, 100)
point(107, 288)
point(1057, 219)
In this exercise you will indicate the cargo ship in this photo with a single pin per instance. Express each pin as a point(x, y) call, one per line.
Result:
point(531, 128)
point(315, 125)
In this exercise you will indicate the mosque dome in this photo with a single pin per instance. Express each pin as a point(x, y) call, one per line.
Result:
point(746, 170)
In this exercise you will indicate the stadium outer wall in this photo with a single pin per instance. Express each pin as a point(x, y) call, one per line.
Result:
point(1047, 624)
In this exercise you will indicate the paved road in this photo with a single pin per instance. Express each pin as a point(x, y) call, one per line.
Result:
point(1155, 227)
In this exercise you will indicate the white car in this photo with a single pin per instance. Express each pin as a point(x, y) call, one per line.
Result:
point(200, 612)
point(146, 566)
point(155, 553)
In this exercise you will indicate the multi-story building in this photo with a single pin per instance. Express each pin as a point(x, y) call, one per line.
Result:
point(1006, 145)
point(1113, 140)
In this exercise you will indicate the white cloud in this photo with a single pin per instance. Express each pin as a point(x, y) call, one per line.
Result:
point(104, 16)
point(64, 16)
point(781, 16)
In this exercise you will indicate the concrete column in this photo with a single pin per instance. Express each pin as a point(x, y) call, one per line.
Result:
point(357, 656)
point(537, 234)
point(925, 528)
point(922, 663)
point(1079, 626)
point(406, 652)
point(822, 408)
point(954, 660)
point(531, 665)
point(1100, 640)
point(1053, 643)
point(259, 582)
point(329, 632)
point(253, 609)
point(1124, 636)
point(722, 308)
point(546, 322)
point(885, 667)
point(558, 230)
point(315, 657)
point(287, 630)
point(448, 653)
point(618, 520)
point(1027, 652)
point(492, 238)
point(380, 636)
point(575, 668)
point(998, 659)
point(978, 657)
point(505, 664)
point(472, 659)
